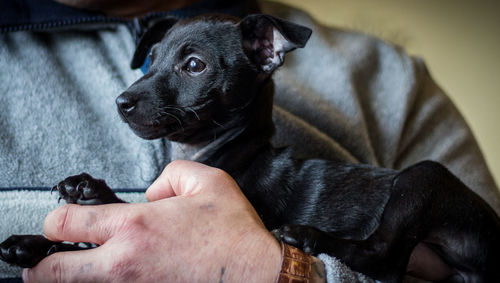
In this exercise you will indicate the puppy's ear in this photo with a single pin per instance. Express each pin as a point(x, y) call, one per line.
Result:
point(266, 39)
point(152, 35)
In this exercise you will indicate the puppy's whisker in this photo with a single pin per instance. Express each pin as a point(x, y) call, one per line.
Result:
point(218, 124)
point(215, 133)
point(174, 108)
point(157, 115)
point(194, 112)
point(173, 116)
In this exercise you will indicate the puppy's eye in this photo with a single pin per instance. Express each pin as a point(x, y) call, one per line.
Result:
point(194, 65)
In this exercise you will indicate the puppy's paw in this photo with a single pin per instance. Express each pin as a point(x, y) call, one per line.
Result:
point(84, 189)
point(24, 250)
point(28, 250)
point(306, 238)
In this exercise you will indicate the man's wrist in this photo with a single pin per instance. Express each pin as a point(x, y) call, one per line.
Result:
point(256, 260)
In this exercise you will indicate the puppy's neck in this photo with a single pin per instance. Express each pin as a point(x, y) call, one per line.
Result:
point(260, 122)
point(258, 129)
point(203, 151)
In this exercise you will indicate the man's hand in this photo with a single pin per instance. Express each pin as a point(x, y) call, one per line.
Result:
point(196, 227)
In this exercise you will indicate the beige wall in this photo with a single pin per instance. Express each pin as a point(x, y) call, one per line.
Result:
point(458, 39)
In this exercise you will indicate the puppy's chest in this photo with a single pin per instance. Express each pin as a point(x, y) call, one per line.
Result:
point(180, 151)
point(203, 151)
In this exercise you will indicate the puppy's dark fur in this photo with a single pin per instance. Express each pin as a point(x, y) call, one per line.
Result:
point(208, 90)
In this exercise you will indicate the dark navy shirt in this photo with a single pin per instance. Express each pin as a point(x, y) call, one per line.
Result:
point(39, 15)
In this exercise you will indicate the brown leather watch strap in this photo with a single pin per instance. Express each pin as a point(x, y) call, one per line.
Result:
point(295, 266)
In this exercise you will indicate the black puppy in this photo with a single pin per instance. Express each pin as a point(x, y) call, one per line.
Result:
point(208, 90)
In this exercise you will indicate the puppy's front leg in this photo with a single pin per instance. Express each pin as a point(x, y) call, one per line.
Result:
point(28, 250)
point(307, 238)
point(85, 190)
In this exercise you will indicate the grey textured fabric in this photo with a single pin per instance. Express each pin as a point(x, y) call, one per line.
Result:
point(57, 110)
point(340, 273)
point(346, 96)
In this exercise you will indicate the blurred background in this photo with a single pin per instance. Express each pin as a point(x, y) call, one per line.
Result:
point(458, 39)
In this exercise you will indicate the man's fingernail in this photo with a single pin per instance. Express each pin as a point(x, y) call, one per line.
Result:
point(25, 275)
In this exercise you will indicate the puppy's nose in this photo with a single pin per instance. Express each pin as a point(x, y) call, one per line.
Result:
point(126, 103)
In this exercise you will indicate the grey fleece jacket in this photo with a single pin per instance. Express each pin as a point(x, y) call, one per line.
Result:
point(346, 96)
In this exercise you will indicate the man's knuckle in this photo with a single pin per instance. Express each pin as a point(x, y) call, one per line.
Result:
point(134, 221)
point(123, 267)
point(63, 218)
point(219, 174)
point(57, 269)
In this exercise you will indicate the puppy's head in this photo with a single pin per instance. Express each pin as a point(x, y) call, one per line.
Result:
point(204, 74)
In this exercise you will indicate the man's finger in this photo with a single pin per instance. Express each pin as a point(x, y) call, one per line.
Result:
point(77, 223)
point(184, 178)
point(76, 266)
